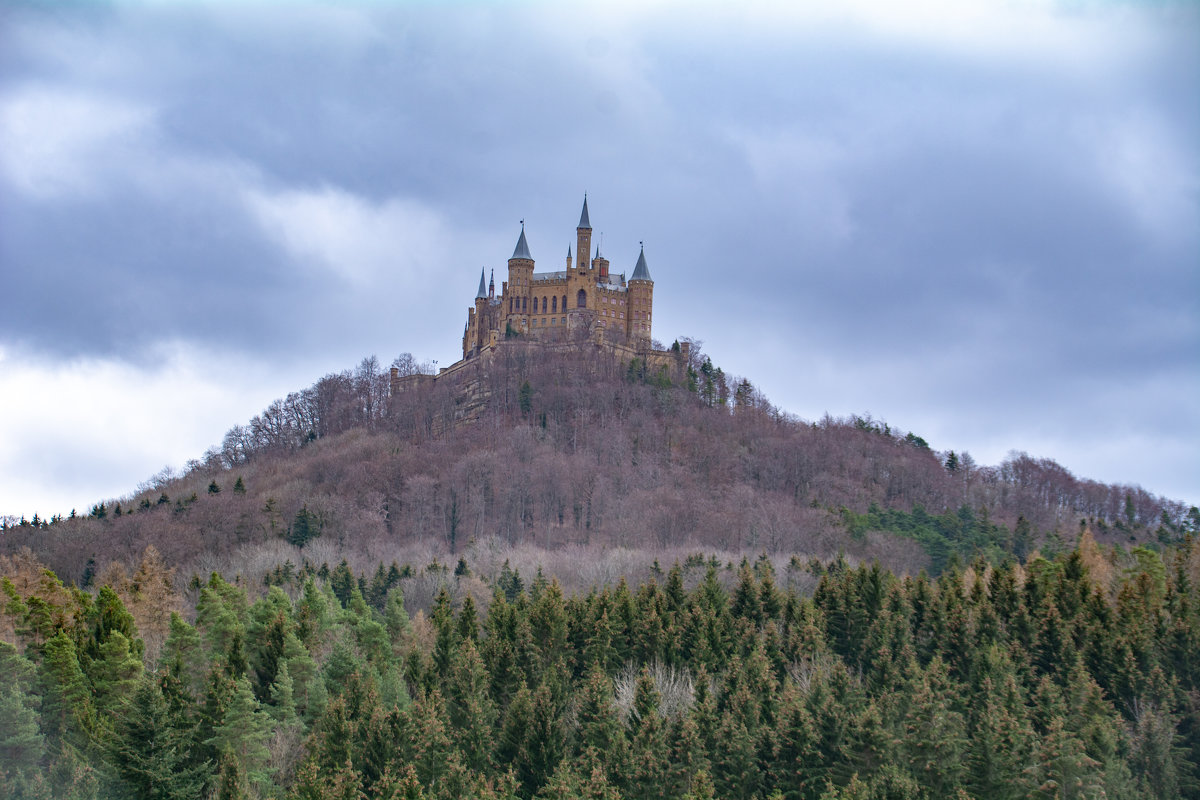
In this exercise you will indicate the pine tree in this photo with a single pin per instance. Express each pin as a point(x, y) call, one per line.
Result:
point(597, 725)
point(472, 713)
point(115, 677)
point(242, 733)
point(646, 771)
point(1063, 770)
point(68, 709)
point(22, 744)
point(568, 783)
point(151, 753)
point(183, 655)
point(935, 733)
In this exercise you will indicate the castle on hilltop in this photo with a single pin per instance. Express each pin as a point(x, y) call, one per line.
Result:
point(584, 299)
point(584, 307)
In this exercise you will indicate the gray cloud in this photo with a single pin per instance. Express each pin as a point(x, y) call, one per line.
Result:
point(985, 218)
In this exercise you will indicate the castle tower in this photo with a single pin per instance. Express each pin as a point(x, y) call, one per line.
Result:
point(475, 335)
point(520, 283)
point(583, 237)
point(641, 300)
point(601, 263)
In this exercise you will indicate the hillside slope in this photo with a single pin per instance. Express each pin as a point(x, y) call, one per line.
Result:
point(581, 448)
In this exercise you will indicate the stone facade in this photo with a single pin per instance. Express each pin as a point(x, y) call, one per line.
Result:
point(584, 300)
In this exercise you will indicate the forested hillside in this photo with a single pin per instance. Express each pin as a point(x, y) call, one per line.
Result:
point(1075, 677)
point(571, 576)
point(583, 450)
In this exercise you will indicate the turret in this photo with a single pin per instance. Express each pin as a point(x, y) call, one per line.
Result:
point(583, 237)
point(641, 299)
point(568, 258)
point(520, 280)
point(476, 318)
point(601, 264)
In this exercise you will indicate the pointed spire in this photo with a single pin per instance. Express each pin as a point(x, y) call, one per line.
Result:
point(584, 222)
point(522, 250)
point(568, 251)
point(482, 286)
point(492, 284)
point(641, 272)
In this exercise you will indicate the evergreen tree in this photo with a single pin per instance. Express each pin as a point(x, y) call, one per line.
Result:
point(22, 745)
point(240, 738)
point(151, 753)
point(472, 713)
point(68, 709)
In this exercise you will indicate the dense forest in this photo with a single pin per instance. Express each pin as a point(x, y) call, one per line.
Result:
point(1071, 677)
point(579, 450)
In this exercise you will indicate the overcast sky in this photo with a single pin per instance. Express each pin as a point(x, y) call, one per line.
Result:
point(978, 221)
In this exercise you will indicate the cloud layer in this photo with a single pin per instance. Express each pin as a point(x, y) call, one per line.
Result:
point(978, 220)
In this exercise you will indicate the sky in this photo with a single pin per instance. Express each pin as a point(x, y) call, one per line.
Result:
point(977, 221)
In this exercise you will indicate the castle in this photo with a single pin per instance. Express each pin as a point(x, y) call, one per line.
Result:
point(585, 299)
point(584, 306)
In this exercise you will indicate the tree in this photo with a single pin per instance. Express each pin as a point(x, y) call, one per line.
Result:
point(152, 753)
point(240, 738)
point(471, 710)
point(525, 398)
point(305, 527)
point(22, 745)
point(68, 705)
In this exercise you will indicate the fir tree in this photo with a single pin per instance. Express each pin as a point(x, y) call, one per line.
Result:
point(152, 753)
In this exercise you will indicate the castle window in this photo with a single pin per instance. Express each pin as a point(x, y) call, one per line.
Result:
point(543, 305)
point(553, 321)
point(564, 306)
point(524, 303)
point(581, 300)
point(554, 304)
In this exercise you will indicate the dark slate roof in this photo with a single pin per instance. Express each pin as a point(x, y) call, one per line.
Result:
point(584, 222)
point(641, 272)
point(482, 286)
point(522, 250)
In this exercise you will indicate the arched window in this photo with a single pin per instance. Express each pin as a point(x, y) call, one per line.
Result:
point(543, 305)
point(554, 305)
point(581, 300)
point(524, 303)
point(564, 304)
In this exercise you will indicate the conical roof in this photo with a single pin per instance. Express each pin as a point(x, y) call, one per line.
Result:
point(482, 286)
point(641, 272)
point(584, 222)
point(522, 250)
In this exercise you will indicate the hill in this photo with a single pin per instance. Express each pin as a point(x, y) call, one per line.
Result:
point(576, 449)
